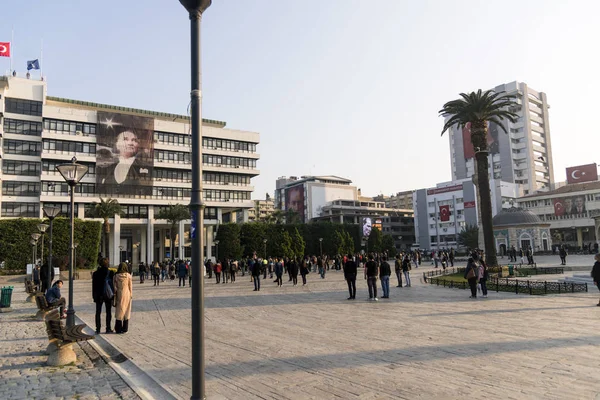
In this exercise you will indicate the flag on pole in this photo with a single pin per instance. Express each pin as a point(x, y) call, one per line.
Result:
point(4, 49)
point(33, 64)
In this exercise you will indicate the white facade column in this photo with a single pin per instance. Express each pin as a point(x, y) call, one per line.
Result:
point(143, 246)
point(80, 210)
point(209, 241)
point(116, 242)
point(148, 240)
point(181, 233)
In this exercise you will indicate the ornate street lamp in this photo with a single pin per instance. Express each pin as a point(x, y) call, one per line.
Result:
point(42, 228)
point(51, 212)
point(120, 254)
point(265, 244)
point(195, 8)
point(33, 244)
point(72, 174)
point(35, 236)
point(321, 245)
point(217, 250)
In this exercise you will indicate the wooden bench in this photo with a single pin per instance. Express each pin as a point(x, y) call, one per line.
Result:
point(60, 350)
point(43, 306)
point(31, 289)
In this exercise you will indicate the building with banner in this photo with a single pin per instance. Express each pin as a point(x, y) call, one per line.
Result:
point(442, 212)
point(140, 158)
point(570, 210)
point(523, 155)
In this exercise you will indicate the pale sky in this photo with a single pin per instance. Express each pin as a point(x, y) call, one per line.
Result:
point(341, 87)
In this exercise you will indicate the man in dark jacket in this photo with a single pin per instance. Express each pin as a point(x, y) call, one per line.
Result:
point(182, 272)
point(385, 270)
point(54, 298)
point(371, 273)
point(398, 269)
point(350, 276)
point(142, 272)
point(99, 277)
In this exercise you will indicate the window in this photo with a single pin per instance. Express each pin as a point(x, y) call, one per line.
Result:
point(28, 210)
point(225, 195)
point(65, 208)
point(173, 138)
point(69, 127)
point(10, 188)
point(131, 211)
point(20, 127)
point(210, 213)
point(170, 192)
point(25, 107)
point(172, 156)
point(226, 161)
point(27, 168)
point(49, 167)
point(62, 146)
point(22, 147)
point(229, 145)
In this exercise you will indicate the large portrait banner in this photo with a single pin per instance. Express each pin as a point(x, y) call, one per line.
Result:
point(124, 154)
point(569, 205)
point(294, 200)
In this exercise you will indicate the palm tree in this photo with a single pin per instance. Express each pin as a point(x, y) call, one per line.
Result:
point(174, 214)
point(477, 110)
point(106, 209)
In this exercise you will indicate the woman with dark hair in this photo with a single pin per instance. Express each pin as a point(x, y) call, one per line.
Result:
point(122, 299)
point(596, 273)
point(304, 269)
point(293, 268)
point(472, 274)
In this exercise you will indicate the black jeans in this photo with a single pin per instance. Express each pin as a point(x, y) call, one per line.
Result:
point(182, 279)
point(304, 279)
point(108, 309)
point(372, 284)
point(351, 279)
point(483, 283)
point(399, 276)
point(60, 303)
point(232, 276)
point(156, 279)
point(279, 280)
point(257, 282)
point(473, 286)
point(218, 277)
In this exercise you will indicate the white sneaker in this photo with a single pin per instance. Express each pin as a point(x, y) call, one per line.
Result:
point(375, 299)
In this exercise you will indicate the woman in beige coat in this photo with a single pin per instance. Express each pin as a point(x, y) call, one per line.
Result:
point(122, 299)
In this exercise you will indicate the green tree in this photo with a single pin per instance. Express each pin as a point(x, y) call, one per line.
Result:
point(375, 240)
point(174, 214)
point(339, 242)
point(387, 244)
point(469, 237)
point(229, 241)
point(106, 209)
point(251, 238)
point(298, 244)
point(476, 111)
point(348, 243)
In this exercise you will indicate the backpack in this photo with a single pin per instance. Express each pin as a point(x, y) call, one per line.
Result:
point(108, 291)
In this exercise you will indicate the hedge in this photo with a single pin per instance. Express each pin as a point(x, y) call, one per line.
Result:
point(16, 251)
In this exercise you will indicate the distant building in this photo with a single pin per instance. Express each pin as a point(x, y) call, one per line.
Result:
point(442, 212)
point(262, 210)
point(400, 200)
point(523, 155)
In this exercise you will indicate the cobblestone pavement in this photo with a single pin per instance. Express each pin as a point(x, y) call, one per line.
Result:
point(23, 370)
point(311, 343)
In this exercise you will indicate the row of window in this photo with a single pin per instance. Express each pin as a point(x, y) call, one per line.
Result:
point(64, 146)
point(27, 168)
point(69, 127)
point(10, 188)
point(19, 127)
point(225, 179)
point(59, 188)
point(25, 210)
point(22, 147)
point(225, 195)
point(226, 161)
point(172, 156)
point(25, 107)
point(172, 138)
point(49, 166)
point(231, 145)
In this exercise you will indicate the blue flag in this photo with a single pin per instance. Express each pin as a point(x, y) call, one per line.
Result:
point(33, 64)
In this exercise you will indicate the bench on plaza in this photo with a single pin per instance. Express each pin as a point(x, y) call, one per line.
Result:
point(31, 289)
point(43, 306)
point(60, 350)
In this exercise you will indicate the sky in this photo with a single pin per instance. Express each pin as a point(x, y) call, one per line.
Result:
point(334, 87)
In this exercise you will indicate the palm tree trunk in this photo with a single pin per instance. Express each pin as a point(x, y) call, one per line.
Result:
point(483, 183)
point(172, 242)
point(106, 239)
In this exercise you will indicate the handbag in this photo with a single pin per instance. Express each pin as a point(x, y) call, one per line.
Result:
point(471, 274)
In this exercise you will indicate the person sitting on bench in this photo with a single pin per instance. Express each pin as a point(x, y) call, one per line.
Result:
point(54, 298)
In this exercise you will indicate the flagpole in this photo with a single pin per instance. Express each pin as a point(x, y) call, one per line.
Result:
point(42, 60)
point(12, 47)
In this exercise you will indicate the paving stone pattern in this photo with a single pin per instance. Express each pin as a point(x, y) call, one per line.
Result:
point(23, 370)
point(311, 343)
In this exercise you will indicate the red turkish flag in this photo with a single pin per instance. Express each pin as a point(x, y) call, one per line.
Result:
point(4, 49)
point(559, 207)
point(582, 173)
point(444, 213)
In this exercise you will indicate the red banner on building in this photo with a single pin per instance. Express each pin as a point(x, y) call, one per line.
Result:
point(469, 204)
point(444, 213)
point(4, 49)
point(582, 173)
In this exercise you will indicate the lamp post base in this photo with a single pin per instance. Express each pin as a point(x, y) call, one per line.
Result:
point(70, 318)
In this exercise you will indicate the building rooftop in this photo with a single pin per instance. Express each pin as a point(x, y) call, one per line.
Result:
point(516, 216)
point(571, 188)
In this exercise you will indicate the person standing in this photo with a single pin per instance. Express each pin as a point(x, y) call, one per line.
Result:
point(233, 267)
point(350, 270)
point(371, 272)
point(35, 275)
point(256, 276)
point(142, 272)
point(156, 273)
point(218, 268)
point(451, 256)
point(278, 272)
point(293, 266)
point(563, 255)
point(596, 273)
point(521, 254)
point(122, 299)
point(398, 269)
point(304, 269)
point(472, 273)
point(101, 278)
point(483, 277)
point(385, 270)
point(182, 272)
point(406, 270)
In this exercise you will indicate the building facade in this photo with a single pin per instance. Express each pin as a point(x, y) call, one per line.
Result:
point(139, 157)
point(307, 195)
point(442, 212)
point(523, 155)
point(400, 200)
point(570, 210)
point(262, 210)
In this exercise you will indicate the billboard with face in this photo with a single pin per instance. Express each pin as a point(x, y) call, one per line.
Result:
point(124, 154)
point(294, 200)
point(367, 226)
point(492, 140)
point(569, 205)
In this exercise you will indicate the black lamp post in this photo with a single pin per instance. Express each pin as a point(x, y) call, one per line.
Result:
point(42, 228)
point(195, 8)
point(217, 250)
point(265, 243)
point(75, 245)
point(321, 246)
point(121, 254)
point(51, 212)
point(33, 244)
point(72, 174)
point(36, 237)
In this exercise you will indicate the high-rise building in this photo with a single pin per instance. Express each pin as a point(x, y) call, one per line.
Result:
point(523, 155)
point(140, 158)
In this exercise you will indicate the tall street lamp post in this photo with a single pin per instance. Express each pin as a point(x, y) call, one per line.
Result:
point(33, 244)
point(195, 8)
point(75, 245)
point(51, 212)
point(36, 237)
point(42, 228)
point(217, 250)
point(121, 254)
point(321, 246)
point(265, 244)
point(72, 174)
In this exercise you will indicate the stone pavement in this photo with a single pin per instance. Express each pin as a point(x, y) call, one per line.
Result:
point(23, 370)
point(311, 343)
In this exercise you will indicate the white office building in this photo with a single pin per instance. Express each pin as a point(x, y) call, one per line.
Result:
point(523, 155)
point(39, 132)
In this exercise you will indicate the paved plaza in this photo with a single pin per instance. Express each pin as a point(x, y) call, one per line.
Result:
point(311, 343)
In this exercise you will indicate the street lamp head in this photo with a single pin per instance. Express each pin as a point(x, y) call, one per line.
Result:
point(216, 242)
point(320, 239)
point(76, 244)
point(72, 172)
point(265, 241)
point(32, 242)
point(35, 236)
point(42, 228)
point(196, 5)
point(51, 212)
point(121, 248)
